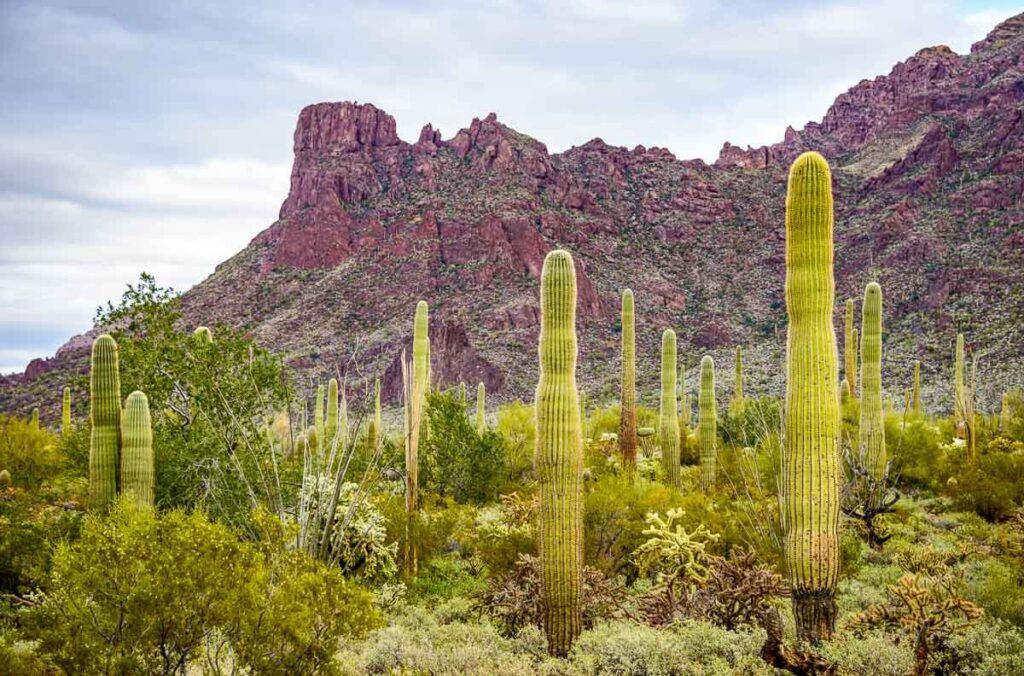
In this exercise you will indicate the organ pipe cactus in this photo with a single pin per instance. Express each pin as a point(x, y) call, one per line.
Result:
point(810, 463)
point(105, 414)
point(65, 411)
point(850, 350)
point(915, 393)
point(668, 426)
point(137, 470)
point(481, 410)
point(708, 424)
point(559, 456)
point(872, 421)
point(627, 417)
point(331, 424)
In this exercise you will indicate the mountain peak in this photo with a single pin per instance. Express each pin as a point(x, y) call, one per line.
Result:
point(1004, 33)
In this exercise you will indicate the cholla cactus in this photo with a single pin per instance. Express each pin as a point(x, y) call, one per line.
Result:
point(668, 425)
point(105, 413)
point(810, 462)
point(872, 422)
point(708, 425)
point(137, 468)
point(559, 456)
point(65, 411)
point(627, 419)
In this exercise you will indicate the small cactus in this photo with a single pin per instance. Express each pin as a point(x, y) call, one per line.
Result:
point(708, 424)
point(105, 413)
point(668, 425)
point(35, 418)
point(203, 335)
point(559, 457)
point(137, 470)
point(5, 478)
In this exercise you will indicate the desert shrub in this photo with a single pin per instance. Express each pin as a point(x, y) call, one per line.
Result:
point(503, 533)
point(140, 593)
point(516, 601)
point(990, 647)
point(19, 657)
point(685, 648)
point(517, 426)
point(27, 452)
point(455, 460)
point(996, 587)
point(447, 577)
point(760, 419)
point(993, 487)
point(917, 453)
point(871, 654)
point(439, 526)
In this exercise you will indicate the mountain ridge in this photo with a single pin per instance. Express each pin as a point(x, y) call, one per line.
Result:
point(929, 177)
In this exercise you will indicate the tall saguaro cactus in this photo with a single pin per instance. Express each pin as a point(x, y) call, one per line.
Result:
point(65, 411)
point(331, 425)
point(668, 425)
point(559, 456)
point(318, 423)
point(481, 409)
point(137, 469)
point(872, 421)
point(850, 350)
point(105, 414)
point(417, 403)
point(810, 463)
point(915, 393)
point(627, 420)
point(738, 401)
point(959, 392)
point(708, 425)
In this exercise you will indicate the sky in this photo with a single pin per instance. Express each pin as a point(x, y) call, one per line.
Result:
point(156, 136)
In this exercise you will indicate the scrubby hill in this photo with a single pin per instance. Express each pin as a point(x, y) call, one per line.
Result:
point(929, 169)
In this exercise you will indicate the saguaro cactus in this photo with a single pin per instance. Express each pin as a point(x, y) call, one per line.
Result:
point(35, 418)
point(417, 402)
point(203, 334)
point(872, 422)
point(318, 423)
point(65, 413)
point(627, 419)
point(959, 393)
point(1005, 413)
point(737, 404)
point(105, 413)
point(811, 450)
point(137, 470)
point(331, 424)
point(915, 394)
point(850, 350)
point(668, 425)
point(559, 456)
point(481, 409)
point(708, 424)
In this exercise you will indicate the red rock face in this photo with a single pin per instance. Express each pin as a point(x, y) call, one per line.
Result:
point(928, 165)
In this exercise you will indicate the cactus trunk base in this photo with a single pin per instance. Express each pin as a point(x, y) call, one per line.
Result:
point(815, 615)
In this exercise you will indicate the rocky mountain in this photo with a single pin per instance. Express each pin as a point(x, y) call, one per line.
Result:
point(929, 190)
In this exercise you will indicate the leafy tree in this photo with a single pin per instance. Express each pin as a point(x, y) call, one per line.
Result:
point(457, 461)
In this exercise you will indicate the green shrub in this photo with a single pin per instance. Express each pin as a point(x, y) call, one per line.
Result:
point(28, 452)
point(993, 487)
point(517, 427)
point(457, 461)
point(874, 654)
point(996, 587)
point(990, 647)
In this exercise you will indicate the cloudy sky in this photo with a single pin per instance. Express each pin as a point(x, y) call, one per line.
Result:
point(157, 136)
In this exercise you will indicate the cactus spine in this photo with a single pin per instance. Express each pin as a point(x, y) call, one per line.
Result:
point(627, 418)
point(915, 393)
point(959, 398)
point(559, 456)
point(331, 424)
point(65, 413)
point(481, 410)
point(872, 425)
point(105, 413)
point(708, 424)
point(810, 462)
point(668, 421)
point(137, 470)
